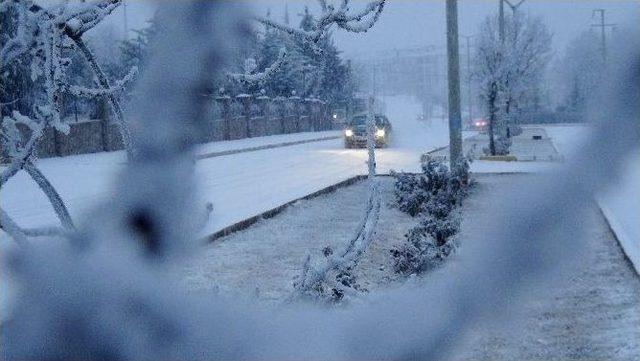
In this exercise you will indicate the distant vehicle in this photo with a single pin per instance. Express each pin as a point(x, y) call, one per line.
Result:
point(479, 124)
point(355, 133)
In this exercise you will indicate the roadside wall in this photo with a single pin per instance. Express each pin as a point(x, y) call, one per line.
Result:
point(244, 116)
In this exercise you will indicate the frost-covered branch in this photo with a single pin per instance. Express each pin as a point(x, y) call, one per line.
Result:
point(49, 190)
point(80, 17)
point(21, 235)
point(116, 88)
point(21, 154)
point(46, 232)
point(18, 150)
point(44, 32)
point(358, 22)
point(12, 229)
point(250, 77)
point(122, 124)
point(311, 276)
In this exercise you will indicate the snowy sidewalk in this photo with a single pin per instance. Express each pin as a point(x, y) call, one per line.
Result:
point(592, 312)
point(222, 148)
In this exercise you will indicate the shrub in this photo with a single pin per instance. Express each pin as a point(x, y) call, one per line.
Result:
point(434, 195)
point(409, 193)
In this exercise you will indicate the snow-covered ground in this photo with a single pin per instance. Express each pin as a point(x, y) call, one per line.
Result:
point(265, 258)
point(621, 202)
point(587, 311)
point(270, 140)
point(239, 185)
point(584, 312)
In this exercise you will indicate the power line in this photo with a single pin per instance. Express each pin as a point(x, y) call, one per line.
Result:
point(603, 25)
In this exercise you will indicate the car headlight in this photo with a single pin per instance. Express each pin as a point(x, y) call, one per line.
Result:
point(380, 133)
point(348, 133)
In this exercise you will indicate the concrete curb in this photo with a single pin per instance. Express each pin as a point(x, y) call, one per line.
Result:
point(262, 147)
point(246, 223)
point(618, 233)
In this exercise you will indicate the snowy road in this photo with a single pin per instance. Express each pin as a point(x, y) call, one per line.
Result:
point(239, 185)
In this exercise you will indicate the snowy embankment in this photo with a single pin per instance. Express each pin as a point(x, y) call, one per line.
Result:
point(239, 185)
point(621, 203)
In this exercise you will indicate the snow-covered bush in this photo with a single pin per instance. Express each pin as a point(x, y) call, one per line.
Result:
point(409, 192)
point(333, 287)
point(502, 146)
point(413, 191)
point(422, 251)
point(435, 195)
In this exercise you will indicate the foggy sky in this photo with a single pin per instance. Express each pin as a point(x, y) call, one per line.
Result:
point(416, 23)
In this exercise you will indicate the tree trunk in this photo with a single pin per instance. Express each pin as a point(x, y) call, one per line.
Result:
point(492, 118)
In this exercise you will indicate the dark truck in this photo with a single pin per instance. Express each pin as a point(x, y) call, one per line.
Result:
point(355, 133)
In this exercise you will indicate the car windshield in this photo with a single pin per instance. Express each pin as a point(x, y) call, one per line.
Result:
point(362, 120)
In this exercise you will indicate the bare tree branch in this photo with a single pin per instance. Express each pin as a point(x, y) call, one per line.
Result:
point(12, 229)
point(263, 76)
point(358, 22)
point(54, 198)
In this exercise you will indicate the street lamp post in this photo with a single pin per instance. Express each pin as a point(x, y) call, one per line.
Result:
point(453, 67)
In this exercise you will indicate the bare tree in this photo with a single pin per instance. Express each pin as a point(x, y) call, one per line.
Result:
point(42, 37)
point(508, 71)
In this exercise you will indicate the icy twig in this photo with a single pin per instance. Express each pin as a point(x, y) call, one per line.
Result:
point(20, 154)
point(54, 198)
point(262, 76)
point(354, 250)
point(12, 229)
point(354, 22)
point(122, 124)
point(118, 87)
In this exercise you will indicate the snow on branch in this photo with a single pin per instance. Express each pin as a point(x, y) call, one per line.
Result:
point(54, 198)
point(311, 277)
point(20, 235)
point(114, 89)
point(20, 153)
point(18, 150)
point(83, 16)
point(44, 33)
point(12, 229)
point(342, 17)
point(250, 77)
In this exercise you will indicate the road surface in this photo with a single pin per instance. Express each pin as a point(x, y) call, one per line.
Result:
point(239, 185)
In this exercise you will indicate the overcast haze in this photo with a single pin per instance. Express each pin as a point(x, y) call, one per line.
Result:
point(411, 23)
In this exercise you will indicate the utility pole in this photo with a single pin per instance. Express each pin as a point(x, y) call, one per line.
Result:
point(470, 102)
point(126, 24)
point(603, 36)
point(501, 21)
point(514, 8)
point(453, 67)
